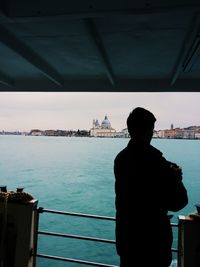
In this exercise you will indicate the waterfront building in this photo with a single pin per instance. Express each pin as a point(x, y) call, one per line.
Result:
point(188, 134)
point(102, 130)
point(192, 132)
point(197, 135)
point(36, 132)
point(155, 134)
point(169, 133)
point(158, 134)
point(123, 134)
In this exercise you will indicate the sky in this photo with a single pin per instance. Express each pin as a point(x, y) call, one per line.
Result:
point(23, 111)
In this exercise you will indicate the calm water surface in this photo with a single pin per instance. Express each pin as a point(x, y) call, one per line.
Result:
point(76, 174)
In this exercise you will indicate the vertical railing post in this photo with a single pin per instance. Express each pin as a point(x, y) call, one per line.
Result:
point(189, 241)
point(36, 227)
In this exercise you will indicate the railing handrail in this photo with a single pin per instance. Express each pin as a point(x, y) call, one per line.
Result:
point(92, 216)
point(77, 237)
point(75, 260)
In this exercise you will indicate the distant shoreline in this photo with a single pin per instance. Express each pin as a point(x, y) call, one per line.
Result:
point(99, 137)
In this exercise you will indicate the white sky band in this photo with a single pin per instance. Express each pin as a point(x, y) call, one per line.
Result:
point(24, 111)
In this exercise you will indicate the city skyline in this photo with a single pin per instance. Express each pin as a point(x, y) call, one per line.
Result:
point(23, 111)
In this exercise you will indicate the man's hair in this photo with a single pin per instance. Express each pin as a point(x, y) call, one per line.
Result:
point(140, 120)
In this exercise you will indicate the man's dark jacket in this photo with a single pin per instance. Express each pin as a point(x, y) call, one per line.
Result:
point(146, 188)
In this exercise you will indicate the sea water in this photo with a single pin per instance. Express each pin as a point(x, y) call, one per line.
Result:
point(76, 175)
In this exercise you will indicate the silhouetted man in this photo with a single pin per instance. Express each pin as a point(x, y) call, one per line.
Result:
point(147, 186)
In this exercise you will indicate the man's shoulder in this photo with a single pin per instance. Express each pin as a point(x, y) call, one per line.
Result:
point(155, 151)
point(134, 151)
point(123, 153)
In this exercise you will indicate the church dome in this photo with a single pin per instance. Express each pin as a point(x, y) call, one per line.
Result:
point(105, 123)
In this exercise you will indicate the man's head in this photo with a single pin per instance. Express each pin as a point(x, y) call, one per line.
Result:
point(140, 123)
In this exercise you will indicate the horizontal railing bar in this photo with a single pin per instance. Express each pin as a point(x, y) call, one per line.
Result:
point(84, 238)
point(175, 250)
point(174, 224)
point(74, 260)
point(41, 210)
point(85, 215)
point(77, 237)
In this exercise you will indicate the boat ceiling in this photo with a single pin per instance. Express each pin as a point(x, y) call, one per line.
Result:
point(100, 45)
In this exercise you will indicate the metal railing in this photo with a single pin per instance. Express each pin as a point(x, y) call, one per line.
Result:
point(78, 261)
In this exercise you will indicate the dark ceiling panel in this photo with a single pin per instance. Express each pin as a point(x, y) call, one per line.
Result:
point(138, 46)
